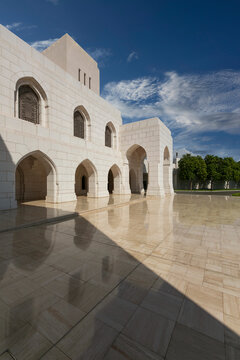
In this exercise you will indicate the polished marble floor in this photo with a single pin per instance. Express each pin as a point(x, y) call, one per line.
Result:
point(152, 279)
point(37, 212)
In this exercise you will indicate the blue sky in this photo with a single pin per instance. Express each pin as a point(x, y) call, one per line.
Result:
point(175, 59)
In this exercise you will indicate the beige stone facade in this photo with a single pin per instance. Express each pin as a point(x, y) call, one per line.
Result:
point(42, 159)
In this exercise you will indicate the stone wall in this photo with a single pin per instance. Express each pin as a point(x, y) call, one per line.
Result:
point(52, 142)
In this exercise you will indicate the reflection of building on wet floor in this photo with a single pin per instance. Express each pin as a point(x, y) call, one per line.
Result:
point(63, 139)
point(146, 280)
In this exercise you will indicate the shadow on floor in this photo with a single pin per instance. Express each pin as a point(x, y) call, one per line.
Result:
point(124, 283)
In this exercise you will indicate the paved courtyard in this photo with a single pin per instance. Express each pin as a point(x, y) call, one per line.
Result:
point(148, 279)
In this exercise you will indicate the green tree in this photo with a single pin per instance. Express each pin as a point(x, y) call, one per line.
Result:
point(226, 167)
point(192, 169)
point(200, 169)
point(212, 164)
point(236, 172)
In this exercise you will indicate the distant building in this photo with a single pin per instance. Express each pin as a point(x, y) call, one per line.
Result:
point(59, 139)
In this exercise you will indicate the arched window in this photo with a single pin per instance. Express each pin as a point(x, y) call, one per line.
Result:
point(108, 136)
point(79, 125)
point(28, 104)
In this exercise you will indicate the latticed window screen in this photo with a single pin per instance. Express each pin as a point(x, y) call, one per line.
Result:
point(78, 125)
point(108, 137)
point(28, 104)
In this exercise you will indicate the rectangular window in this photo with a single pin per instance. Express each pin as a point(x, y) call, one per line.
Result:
point(85, 77)
point(79, 74)
point(90, 83)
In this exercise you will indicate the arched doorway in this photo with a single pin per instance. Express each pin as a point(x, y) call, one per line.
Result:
point(86, 179)
point(35, 178)
point(114, 180)
point(166, 170)
point(110, 182)
point(138, 169)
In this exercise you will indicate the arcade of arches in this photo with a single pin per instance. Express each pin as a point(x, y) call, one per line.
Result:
point(36, 176)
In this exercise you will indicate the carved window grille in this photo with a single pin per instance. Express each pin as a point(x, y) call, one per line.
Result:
point(28, 104)
point(108, 137)
point(79, 125)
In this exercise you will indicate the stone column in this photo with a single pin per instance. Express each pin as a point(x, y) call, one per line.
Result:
point(155, 179)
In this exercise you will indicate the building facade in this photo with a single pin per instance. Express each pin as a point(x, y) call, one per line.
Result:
point(59, 139)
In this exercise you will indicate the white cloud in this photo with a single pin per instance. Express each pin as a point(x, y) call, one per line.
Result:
point(100, 55)
point(17, 26)
point(182, 152)
point(131, 90)
point(132, 56)
point(42, 44)
point(196, 103)
point(14, 26)
point(189, 105)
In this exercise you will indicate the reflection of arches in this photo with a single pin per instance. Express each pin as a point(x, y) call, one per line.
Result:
point(114, 180)
point(166, 170)
point(35, 178)
point(136, 155)
point(30, 101)
point(110, 135)
point(82, 124)
point(86, 179)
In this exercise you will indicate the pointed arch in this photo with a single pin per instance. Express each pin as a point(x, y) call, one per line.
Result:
point(136, 156)
point(114, 180)
point(166, 156)
point(82, 123)
point(86, 174)
point(31, 101)
point(35, 178)
point(110, 135)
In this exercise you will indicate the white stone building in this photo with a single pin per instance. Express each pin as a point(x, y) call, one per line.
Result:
point(59, 139)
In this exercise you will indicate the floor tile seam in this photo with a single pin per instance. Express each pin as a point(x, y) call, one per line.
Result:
point(12, 304)
point(9, 353)
point(175, 324)
point(89, 312)
point(200, 332)
point(56, 219)
point(112, 206)
point(139, 305)
point(200, 304)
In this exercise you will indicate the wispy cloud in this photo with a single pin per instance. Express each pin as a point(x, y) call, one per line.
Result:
point(17, 26)
point(42, 44)
point(132, 56)
point(190, 104)
point(54, 2)
point(100, 55)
